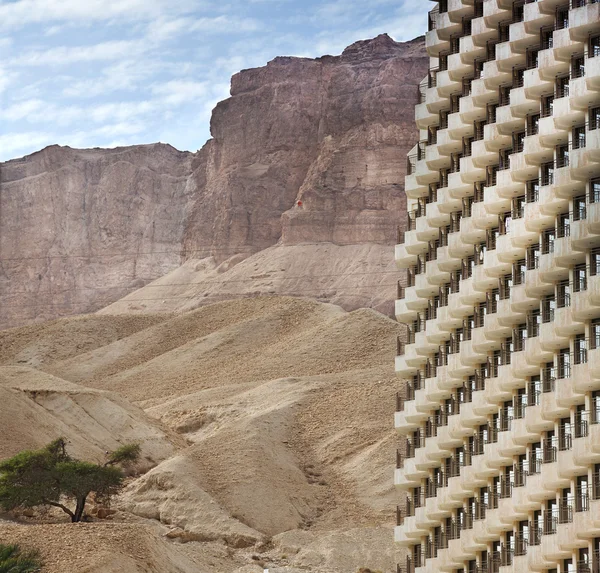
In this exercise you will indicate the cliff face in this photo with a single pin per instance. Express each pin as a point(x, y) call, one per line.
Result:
point(304, 151)
point(82, 228)
point(310, 151)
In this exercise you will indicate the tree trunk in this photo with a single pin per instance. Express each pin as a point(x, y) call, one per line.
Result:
point(77, 516)
point(64, 508)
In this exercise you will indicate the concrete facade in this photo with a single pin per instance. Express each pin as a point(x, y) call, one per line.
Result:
point(500, 416)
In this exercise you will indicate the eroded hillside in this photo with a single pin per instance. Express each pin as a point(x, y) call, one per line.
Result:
point(273, 417)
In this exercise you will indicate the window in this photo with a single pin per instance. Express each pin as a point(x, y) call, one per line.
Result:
point(519, 269)
point(548, 238)
point(480, 253)
point(455, 44)
point(562, 87)
point(579, 278)
point(547, 38)
point(455, 221)
point(519, 337)
point(478, 192)
point(491, 112)
point(518, 12)
point(432, 135)
point(595, 191)
point(454, 103)
point(594, 262)
point(547, 173)
point(563, 294)
point(594, 115)
point(504, 222)
point(504, 159)
point(532, 58)
point(562, 17)
point(533, 124)
point(534, 319)
point(579, 137)
point(444, 119)
point(491, 176)
point(492, 239)
point(548, 308)
point(443, 62)
point(518, 207)
point(562, 156)
point(579, 208)
point(505, 287)
point(580, 347)
point(565, 435)
point(468, 265)
point(533, 257)
point(455, 162)
point(519, 140)
point(581, 422)
point(547, 106)
point(479, 128)
point(595, 407)
point(564, 364)
point(468, 146)
point(533, 191)
point(492, 299)
point(594, 50)
point(478, 68)
point(563, 226)
point(443, 182)
point(518, 78)
point(504, 95)
point(578, 66)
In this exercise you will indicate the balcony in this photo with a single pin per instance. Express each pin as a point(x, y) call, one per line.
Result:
point(583, 21)
point(581, 95)
point(481, 32)
point(508, 56)
point(565, 114)
point(550, 136)
point(434, 44)
point(593, 73)
point(507, 122)
point(550, 66)
point(581, 167)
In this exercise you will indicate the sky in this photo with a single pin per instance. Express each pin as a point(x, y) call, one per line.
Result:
point(106, 73)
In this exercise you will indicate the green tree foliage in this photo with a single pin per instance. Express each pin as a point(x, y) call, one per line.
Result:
point(15, 560)
point(50, 477)
point(124, 456)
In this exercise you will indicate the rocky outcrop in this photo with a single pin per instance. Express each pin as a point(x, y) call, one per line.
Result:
point(304, 151)
point(82, 228)
point(309, 151)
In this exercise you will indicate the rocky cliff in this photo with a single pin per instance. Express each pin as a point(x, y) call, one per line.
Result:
point(310, 151)
point(304, 151)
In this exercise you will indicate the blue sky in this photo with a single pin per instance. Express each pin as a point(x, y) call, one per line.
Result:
point(102, 73)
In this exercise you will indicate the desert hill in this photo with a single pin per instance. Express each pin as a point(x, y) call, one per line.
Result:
point(306, 163)
point(269, 419)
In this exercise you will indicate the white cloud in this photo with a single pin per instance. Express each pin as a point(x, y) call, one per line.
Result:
point(11, 143)
point(63, 55)
point(22, 12)
point(177, 92)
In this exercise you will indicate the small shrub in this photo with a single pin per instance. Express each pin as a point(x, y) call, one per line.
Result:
point(14, 560)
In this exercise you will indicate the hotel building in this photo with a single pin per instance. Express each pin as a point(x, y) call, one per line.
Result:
point(499, 466)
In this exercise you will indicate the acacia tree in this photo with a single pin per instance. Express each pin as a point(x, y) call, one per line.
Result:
point(50, 477)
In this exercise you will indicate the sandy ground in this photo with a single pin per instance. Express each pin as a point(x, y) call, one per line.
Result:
point(352, 276)
point(275, 417)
